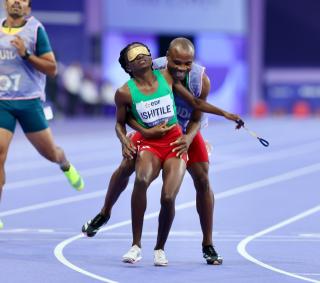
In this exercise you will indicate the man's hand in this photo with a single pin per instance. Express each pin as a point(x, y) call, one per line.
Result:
point(157, 131)
point(235, 118)
point(18, 43)
point(182, 145)
point(128, 149)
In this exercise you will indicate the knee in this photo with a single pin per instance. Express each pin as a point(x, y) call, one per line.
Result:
point(3, 154)
point(168, 200)
point(2, 180)
point(3, 157)
point(2, 174)
point(202, 183)
point(142, 181)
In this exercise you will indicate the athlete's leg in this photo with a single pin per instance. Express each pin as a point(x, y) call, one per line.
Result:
point(205, 207)
point(44, 143)
point(172, 174)
point(204, 199)
point(118, 183)
point(31, 117)
point(7, 127)
point(5, 139)
point(119, 179)
point(198, 167)
point(147, 169)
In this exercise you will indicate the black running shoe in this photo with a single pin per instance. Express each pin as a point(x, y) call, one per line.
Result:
point(211, 256)
point(92, 226)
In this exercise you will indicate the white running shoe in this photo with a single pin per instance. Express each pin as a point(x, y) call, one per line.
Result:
point(160, 258)
point(133, 255)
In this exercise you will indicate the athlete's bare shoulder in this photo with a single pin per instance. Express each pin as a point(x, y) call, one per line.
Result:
point(206, 86)
point(123, 95)
point(124, 89)
point(206, 80)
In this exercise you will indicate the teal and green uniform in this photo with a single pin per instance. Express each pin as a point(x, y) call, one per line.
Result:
point(28, 112)
point(43, 45)
point(21, 85)
point(153, 109)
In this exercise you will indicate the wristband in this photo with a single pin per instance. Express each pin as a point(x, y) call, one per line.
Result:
point(26, 55)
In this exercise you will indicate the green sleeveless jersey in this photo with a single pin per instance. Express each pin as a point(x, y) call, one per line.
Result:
point(152, 109)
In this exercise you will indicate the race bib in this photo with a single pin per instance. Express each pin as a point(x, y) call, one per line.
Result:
point(155, 111)
point(10, 83)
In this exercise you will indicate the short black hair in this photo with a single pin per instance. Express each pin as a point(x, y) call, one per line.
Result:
point(123, 59)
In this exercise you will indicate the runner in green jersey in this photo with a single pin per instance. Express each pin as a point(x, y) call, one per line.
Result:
point(149, 108)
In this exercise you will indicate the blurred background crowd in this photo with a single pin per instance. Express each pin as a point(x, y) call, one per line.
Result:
point(262, 56)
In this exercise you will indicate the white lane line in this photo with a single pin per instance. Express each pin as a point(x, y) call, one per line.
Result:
point(32, 237)
point(58, 178)
point(269, 156)
point(237, 190)
point(282, 154)
point(243, 244)
point(58, 251)
point(309, 274)
point(52, 203)
point(74, 267)
point(273, 180)
point(310, 235)
point(43, 163)
point(62, 201)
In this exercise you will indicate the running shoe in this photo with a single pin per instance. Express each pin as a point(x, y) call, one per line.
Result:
point(74, 178)
point(211, 256)
point(160, 258)
point(1, 224)
point(133, 255)
point(92, 226)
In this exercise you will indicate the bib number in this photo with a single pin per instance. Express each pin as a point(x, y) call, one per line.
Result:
point(10, 83)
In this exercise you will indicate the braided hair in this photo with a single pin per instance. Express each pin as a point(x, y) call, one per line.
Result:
point(123, 58)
